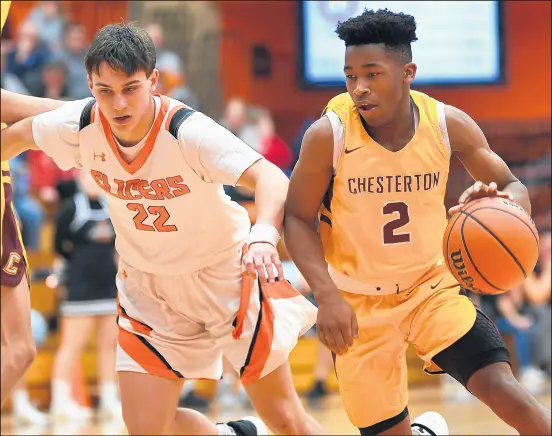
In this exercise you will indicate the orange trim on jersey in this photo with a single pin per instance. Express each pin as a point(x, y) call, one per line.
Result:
point(138, 326)
point(145, 355)
point(93, 113)
point(140, 160)
point(171, 115)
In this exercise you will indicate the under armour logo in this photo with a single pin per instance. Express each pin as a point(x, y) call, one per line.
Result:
point(101, 156)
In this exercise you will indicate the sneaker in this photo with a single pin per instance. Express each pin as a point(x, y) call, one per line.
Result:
point(318, 391)
point(111, 411)
point(248, 426)
point(430, 423)
point(70, 411)
point(26, 413)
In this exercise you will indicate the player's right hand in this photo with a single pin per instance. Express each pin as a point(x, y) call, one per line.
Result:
point(336, 323)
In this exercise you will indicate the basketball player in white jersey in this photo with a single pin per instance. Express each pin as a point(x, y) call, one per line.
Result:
point(183, 299)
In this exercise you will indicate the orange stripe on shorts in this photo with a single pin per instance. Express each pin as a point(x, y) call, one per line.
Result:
point(261, 344)
point(145, 355)
point(138, 327)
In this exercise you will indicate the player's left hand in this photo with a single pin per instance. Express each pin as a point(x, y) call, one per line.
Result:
point(260, 259)
point(479, 190)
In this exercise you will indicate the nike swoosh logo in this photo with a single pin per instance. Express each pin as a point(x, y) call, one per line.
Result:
point(350, 151)
point(434, 286)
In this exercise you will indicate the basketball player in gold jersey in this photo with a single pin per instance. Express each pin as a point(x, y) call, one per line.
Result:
point(17, 345)
point(375, 169)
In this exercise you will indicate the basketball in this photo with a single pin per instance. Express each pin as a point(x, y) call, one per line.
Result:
point(491, 245)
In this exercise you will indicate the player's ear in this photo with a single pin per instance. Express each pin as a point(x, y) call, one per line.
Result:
point(90, 84)
point(154, 79)
point(409, 72)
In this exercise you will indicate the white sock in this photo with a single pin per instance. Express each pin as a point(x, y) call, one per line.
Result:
point(61, 392)
point(225, 430)
point(108, 393)
point(20, 398)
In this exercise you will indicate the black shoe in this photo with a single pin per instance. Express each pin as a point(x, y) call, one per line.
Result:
point(192, 401)
point(248, 426)
point(318, 391)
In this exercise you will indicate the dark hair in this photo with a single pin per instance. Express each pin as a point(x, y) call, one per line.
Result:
point(124, 47)
point(395, 30)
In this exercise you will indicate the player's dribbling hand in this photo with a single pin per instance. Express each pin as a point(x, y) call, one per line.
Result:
point(261, 258)
point(336, 323)
point(479, 190)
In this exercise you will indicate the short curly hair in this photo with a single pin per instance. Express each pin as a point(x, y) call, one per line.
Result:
point(395, 30)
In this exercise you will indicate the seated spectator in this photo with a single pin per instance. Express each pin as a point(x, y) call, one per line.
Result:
point(28, 57)
point(273, 147)
point(72, 54)
point(510, 313)
point(54, 81)
point(537, 289)
point(172, 77)
point(236, 120)
point(10, 82)
point(166, 59)
point(28, 209)
point(45, 176)
point(47, 16)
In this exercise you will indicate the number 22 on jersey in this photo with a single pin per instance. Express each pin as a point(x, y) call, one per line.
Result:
point(159, 223)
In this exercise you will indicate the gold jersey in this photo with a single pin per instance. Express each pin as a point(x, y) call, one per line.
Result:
point(383, 218)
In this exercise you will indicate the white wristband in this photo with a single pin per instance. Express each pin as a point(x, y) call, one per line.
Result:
point(264, 233)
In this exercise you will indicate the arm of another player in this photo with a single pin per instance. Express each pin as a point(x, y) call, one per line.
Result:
point(492, 175)
point(336, 323)
point(16, 107)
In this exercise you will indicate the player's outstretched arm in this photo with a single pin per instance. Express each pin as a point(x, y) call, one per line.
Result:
point(17, 138)
point(336, 323)
point(16, 107)
point(492, 175)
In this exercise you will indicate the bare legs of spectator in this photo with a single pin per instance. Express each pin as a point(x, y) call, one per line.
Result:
point(75, 332)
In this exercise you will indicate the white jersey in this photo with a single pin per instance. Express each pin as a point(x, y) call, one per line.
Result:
point(168, 206)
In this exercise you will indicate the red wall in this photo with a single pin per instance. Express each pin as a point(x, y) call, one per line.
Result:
point(525, 95)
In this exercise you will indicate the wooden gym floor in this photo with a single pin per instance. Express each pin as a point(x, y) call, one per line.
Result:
point(465, 417)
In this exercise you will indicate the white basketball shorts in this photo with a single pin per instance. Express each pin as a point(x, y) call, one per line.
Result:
point(180, 326)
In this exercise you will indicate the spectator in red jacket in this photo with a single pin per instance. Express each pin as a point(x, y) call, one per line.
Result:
point(273, 147)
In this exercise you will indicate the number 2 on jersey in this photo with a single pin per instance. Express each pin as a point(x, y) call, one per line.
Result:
point(158, 224)
point(389, 235)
